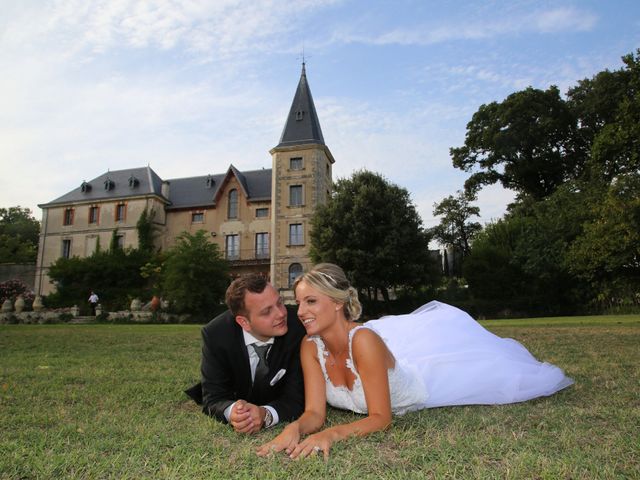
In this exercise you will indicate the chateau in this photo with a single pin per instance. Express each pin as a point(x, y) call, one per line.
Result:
point(259, 218)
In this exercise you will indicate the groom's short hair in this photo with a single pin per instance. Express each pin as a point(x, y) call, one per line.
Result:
point(234, 298)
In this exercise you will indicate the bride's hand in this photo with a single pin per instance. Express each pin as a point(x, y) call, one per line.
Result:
point(316, 443)
point(287, 441)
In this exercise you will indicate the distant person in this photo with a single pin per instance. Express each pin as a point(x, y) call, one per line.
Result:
point(250, 370)
point(436, 356)
point(93, 302)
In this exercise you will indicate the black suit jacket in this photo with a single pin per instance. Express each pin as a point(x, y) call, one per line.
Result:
point(226, 374)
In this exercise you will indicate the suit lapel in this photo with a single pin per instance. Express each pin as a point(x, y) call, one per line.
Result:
point(242, 360)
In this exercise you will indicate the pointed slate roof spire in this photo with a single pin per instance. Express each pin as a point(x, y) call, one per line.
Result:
point(302, 123)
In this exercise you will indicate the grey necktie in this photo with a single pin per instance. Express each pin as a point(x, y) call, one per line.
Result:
point(262, 369)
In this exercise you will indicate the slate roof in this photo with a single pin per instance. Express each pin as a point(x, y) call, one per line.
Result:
point(188, 192)
point(113, 185)
point(302, 126)
point(198, 192)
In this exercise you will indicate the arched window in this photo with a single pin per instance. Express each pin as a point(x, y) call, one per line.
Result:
point(233, 204)
point(295, 270)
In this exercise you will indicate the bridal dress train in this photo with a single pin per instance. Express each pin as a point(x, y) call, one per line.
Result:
point(444, 357)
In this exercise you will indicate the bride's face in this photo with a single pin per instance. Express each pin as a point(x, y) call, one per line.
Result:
point(316, 310)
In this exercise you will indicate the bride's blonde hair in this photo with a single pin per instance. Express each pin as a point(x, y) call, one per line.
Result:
point(330, 279)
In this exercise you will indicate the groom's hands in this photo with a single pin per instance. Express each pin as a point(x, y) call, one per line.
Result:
point(246, 417)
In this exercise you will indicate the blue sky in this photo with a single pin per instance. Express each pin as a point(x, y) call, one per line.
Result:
point(190, 87)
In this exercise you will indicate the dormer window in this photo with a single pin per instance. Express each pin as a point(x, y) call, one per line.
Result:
point(109, 184)
point(299, 115)
point(85, 187)
point(133, 182)
point(210, 181)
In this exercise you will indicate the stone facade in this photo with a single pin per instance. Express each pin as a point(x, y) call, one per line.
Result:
point(259, 219)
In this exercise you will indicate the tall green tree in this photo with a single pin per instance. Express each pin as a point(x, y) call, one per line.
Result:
point(18, 235)
point(616, 147)
point(607, 254)
point(526, 143)
point(195, 275)
point(455, 228)
point(372, 230)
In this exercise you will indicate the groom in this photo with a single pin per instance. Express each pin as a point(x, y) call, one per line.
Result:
point(251, 373)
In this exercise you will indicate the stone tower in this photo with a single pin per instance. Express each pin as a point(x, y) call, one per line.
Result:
point(301, 181)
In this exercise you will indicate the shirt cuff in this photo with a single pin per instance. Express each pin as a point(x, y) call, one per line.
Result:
point(227, 411)
point(274, 414)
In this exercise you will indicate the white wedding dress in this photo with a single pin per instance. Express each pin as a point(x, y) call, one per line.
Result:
point(444, 357)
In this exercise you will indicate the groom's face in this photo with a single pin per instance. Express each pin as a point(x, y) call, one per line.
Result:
point(266, 315)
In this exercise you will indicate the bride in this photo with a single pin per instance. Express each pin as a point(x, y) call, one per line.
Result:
point(433, 357)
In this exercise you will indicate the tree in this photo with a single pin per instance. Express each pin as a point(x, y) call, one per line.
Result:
point(616, 147)
point(372, 230)
point(195, 275)
point(146, 230)
point(19, 233)
point(455, 230)
point(114, 275)
point(526, 143)
point(607, 254)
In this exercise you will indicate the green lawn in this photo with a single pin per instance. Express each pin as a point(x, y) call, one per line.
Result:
point(106, 401)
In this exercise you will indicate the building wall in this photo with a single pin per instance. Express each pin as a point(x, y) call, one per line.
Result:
point(216, 222)
point(315, 178)
point(84, 237)
point(25, 272)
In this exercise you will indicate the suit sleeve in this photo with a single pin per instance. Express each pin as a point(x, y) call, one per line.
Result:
point(289, 403)
point(217, 383)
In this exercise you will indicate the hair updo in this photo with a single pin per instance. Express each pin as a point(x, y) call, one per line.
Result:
point(331, 281)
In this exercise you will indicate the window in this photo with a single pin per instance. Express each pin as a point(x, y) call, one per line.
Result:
point(121, 212)
point(120, 242)
point(296, 234)
point(66, 248)
point(295, 195)
point(232, 247)
point(68, 217)
point(262, 245)
point(262, 212)
point(197, 217)
point(295, 270)
point(295, 163)
point(233, 204)
point(93, 214)
point(299, 115)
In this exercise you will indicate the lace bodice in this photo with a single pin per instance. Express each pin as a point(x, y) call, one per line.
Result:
point(407, 388)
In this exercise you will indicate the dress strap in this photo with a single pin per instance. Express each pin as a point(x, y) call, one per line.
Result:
point(350, 365)
point(322, 354)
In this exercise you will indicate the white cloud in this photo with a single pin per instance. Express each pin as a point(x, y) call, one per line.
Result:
point(542, 21)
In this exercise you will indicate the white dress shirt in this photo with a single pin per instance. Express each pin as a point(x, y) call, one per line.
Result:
point(253, 363)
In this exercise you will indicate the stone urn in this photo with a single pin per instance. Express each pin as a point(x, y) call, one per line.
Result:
point(37, 304)
point(136, 305)
point(75, 310)
point(98, 309)
point(19, 305)
point(6, 306)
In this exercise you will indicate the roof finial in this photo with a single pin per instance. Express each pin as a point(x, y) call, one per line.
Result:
point(304, 61)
